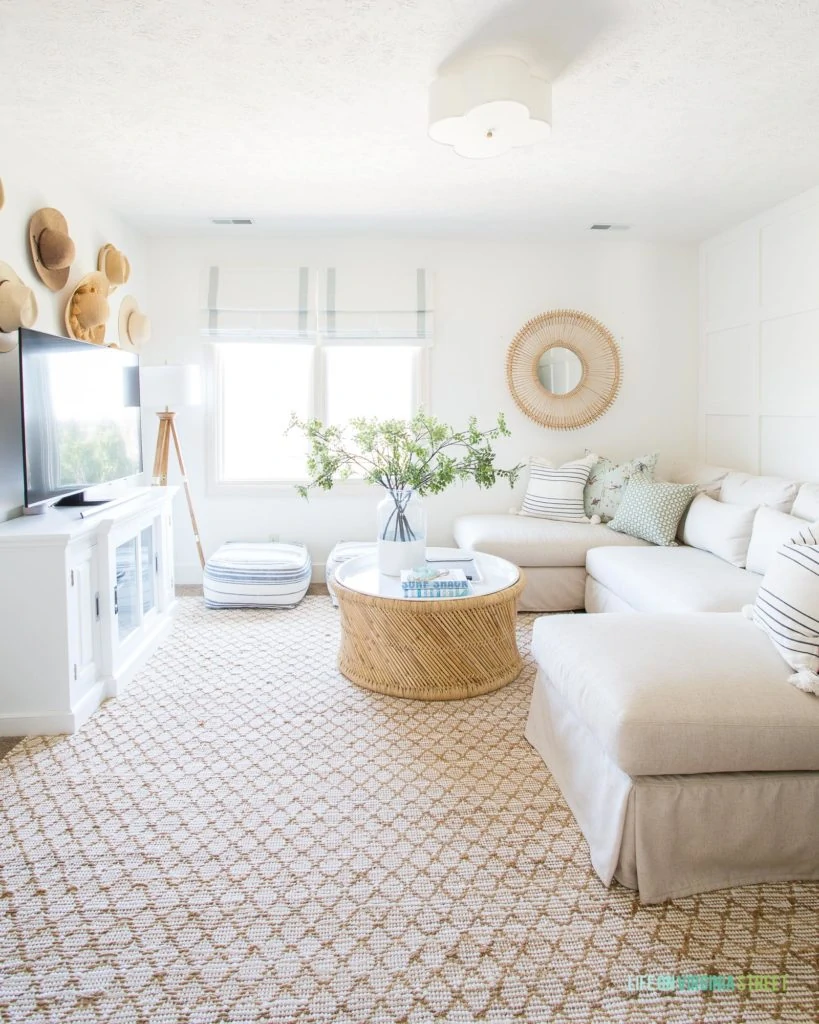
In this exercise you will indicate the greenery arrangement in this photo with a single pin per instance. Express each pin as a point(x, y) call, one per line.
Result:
point(421, 455)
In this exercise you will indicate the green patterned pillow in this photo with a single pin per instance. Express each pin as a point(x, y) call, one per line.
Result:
point(652, 509)
point(607, 482)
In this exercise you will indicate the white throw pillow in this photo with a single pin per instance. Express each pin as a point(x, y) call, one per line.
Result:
point(744, 489)
point(722, 529)
point(556, 492)
point(806, 505)
point(707, 478)
point(787, 607)
point(771, 530)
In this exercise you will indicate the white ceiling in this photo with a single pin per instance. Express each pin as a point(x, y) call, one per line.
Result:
point(678, 117)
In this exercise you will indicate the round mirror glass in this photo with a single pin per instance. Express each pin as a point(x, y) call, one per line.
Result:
point(559, 370)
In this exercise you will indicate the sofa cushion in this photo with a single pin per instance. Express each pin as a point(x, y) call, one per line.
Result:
point(556, 492)
point(806, 505)
point(787, 607)
point(771, 530)
point(773, 491)
point(722, 529)
point(672, 579)
point(680, 694)
point(535, 542)
point(607, 483)
point(652, 509)
point(687, 471)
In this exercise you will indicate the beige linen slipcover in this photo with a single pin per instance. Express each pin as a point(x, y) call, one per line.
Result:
point(679, 694)
point(649, 724)
point(672, 579)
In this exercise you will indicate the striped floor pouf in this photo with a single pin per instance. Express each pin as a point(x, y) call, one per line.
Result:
point(261, 575)
point(341, 553)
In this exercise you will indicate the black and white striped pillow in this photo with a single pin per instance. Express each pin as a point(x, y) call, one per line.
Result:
point(787, 606)
point(557, 492)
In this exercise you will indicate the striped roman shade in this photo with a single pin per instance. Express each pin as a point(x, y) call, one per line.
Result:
point(787, 606)
point(557, 492)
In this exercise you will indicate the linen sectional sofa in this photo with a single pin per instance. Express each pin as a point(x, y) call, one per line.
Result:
point(687, 757)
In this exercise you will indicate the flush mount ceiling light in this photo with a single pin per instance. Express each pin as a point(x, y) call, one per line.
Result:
point(488, 106)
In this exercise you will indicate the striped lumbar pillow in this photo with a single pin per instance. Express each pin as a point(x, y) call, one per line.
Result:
point(787, 606)
point(557, 492)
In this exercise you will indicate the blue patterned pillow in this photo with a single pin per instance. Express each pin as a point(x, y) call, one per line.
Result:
point(607, 482)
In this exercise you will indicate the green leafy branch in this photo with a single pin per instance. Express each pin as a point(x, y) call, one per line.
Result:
point(422, 454)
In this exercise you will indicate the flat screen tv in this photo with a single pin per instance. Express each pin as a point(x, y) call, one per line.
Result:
point(81, 416)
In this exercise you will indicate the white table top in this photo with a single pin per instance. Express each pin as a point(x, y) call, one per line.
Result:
point(361, 575)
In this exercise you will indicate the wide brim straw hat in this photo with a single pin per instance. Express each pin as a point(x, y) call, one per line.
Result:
point(18, 305)
point(114, 264)
point(134, 326)
point(52, 249)
point(86, 312)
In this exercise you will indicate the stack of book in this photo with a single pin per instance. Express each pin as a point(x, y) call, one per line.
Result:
point(428, 582)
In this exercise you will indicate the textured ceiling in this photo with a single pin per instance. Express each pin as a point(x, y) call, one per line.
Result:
point(675, 116)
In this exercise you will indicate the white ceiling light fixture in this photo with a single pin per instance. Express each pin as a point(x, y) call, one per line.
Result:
point(488, 106)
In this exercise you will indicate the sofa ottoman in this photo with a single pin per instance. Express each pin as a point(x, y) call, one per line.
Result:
point(687, 758)
point(256, 575)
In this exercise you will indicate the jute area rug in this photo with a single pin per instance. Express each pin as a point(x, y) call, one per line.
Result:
point(244, 836)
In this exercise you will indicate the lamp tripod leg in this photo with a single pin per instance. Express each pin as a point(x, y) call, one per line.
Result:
point(167, 432)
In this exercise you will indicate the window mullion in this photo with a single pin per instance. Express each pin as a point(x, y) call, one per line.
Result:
point(318, 390)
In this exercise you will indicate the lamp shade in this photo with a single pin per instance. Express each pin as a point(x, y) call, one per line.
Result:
point(489, 105)
point(170, 387)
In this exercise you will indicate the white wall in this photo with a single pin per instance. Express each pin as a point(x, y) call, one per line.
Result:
point(759, 331)
point(645, 293)
point(27, 190)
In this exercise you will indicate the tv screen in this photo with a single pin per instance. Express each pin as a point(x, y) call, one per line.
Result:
point(81, 415)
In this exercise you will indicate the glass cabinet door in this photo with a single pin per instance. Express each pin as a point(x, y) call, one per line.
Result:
point(147, 557)
point(127, 588)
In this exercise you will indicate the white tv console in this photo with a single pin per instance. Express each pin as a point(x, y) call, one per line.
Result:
point(84, 602)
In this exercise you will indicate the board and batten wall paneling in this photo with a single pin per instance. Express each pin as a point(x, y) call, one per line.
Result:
point(759, 337)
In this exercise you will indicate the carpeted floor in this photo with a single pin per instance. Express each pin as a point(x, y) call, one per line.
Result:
point(246, 837)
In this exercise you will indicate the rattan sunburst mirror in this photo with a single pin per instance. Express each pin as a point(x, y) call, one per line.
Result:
point(563, 369)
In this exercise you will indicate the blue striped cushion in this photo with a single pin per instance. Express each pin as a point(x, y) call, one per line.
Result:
point(557, 492)
point(256, 575)
point(787, 606)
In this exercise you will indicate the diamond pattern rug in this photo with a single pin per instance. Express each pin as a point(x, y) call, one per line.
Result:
point(244, 836)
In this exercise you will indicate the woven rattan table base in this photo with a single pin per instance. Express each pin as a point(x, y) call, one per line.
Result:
point(429, 650)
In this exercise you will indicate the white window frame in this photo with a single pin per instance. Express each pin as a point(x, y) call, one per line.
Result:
point(218, 486)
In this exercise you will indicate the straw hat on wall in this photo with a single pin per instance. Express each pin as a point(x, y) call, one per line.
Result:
point(51, 247)
point(134, 327)
point(114, 264)
point(18, 306)
point(87, 310)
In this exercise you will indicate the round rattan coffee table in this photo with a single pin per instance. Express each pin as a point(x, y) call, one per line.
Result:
point(433, 648)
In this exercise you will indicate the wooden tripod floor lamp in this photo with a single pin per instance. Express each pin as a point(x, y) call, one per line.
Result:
point(168, 389)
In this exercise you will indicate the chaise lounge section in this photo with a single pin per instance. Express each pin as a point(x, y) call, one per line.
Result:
point(687, 758)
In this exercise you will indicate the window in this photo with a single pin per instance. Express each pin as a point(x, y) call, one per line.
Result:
point(259, 385)
point(332, 346)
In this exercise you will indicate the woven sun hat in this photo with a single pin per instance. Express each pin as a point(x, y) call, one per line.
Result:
point(114, 264)
point(51, 247)
point(18, 306)
point(134, 326)
point(86, 311)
